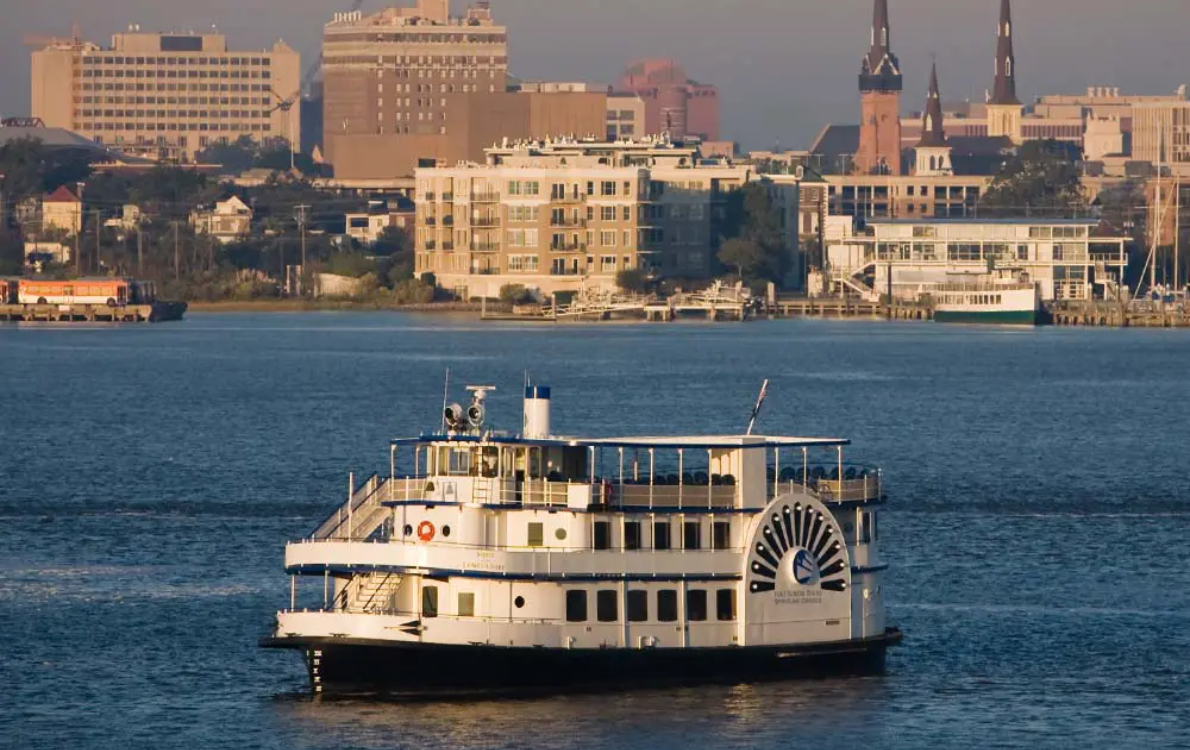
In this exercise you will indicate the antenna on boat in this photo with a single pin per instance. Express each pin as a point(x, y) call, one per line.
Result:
point(764, 388)
point(445, 398)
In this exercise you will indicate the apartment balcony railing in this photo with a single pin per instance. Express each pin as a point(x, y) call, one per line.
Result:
point(485, 197)
point(448, 197)
point(448, 246)
point(430, 196)
point(565, 272)
point(570, 222)
point(430, 221)
point(431, 245)
point(448, 221)
point(485, 247)
point(485, 221)
point(568, 246)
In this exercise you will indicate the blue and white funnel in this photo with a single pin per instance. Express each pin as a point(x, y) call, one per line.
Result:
point(537, 411)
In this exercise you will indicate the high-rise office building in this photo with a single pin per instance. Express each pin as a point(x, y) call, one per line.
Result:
point(166, 96)
point(393, 72)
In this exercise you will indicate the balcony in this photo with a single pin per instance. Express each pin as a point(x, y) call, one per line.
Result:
point(485, 197)
point(431, 245)
point(429, 196)
point(448, 245)
point(430, 221)
point(565, 272)
point(448, 197)
point(485, 221)
point(569, 222)
point(485, 247)
point(568, 198)
point(448, 221)
point(568, 247)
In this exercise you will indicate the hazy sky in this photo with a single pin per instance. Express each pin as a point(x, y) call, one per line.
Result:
point(783, 67)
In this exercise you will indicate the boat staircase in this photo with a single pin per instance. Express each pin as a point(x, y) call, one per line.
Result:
point(374, 593)
point(361, 516)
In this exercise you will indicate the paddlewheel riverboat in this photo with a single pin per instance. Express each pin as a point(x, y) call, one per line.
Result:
point(496, 561)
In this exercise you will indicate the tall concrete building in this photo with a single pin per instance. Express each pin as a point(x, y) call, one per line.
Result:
point(165, 96)
point(880, 85)
point(392, 72)
point(675, 105)
point(1005, 113)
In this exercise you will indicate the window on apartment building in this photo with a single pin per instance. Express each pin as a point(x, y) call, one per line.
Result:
point(607, 264)
point(607, 213)
point(607, 188)
point(607, 238)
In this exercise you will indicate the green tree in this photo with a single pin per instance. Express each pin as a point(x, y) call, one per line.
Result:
point(744, 257)
point(515, 294)
point(1043, 179)
point(632, 280)
point(233, 158)
point(754, 243)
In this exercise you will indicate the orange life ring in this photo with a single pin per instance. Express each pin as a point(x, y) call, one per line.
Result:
point(425, 531)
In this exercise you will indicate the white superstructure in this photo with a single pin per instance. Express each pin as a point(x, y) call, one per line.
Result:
point(578, 559)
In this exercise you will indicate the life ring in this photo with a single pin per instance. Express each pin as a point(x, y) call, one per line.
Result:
point(425, 531)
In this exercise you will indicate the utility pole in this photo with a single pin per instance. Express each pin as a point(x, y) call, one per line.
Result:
point(95, 213)
point(177, 259)
point(300, 215)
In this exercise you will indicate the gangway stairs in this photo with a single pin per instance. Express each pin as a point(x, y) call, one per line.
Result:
point(359, 517)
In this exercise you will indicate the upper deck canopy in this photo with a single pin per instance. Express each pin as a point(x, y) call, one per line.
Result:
point(698, 442)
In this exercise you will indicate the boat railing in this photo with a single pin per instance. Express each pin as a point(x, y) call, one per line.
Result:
point(831, 483)
point(680, 496)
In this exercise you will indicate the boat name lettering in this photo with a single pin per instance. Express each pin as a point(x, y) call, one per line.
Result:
point(484, 561)
point(808, 596)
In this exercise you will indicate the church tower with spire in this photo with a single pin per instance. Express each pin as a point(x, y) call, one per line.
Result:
point(880, 86)
point(1004, 108)
point(932, 151)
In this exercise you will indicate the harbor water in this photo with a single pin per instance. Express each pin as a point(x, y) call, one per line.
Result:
point(1037, 529)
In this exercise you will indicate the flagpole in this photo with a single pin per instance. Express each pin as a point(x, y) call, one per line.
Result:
point(756, 409)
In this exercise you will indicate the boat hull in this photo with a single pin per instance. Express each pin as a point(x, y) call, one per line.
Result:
point(343, 666)
point(988, 317)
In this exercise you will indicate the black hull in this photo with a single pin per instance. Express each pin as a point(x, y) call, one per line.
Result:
point(416, 669)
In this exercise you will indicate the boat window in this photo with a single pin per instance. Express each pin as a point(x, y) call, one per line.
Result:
point(696, 605)
point(536, 534)
point(489, 461)
point(603, 535)
point(661, 535)
point(721, 538)
point(429, 601)
point(466, 604)
point(632, 535)
point(725, 604)
point(576, 606)
point(692, 535)
point(455, 461)
point(866, 534)
point(667, 605)
point(638, 605)
point(605, 605)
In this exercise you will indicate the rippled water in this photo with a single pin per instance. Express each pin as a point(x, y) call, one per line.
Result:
point(149, 477)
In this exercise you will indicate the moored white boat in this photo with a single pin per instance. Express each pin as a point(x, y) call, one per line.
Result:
point(498, 561)
point(989, 300)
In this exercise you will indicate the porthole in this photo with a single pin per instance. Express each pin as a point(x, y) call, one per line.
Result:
point(519, 602)
point(848, 527)
point(560, 534)
point(408, 529)
point(445, 531)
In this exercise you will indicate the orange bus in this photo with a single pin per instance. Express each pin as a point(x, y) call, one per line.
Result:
point(105, 291)
point(8, 291)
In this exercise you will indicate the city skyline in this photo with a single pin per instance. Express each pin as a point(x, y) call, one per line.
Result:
point(784, 68)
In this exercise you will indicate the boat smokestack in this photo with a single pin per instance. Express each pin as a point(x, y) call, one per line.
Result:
point(537, 411)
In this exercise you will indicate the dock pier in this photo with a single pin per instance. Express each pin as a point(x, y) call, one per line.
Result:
point(155, 312)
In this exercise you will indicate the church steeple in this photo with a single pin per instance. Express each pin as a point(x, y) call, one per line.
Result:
point(880, 70)
point(1005, 88)
point(932, 133)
